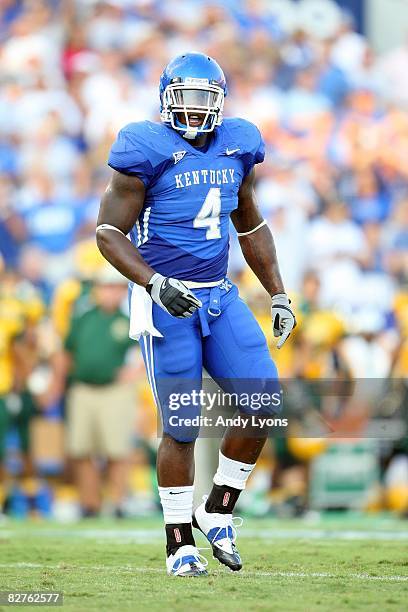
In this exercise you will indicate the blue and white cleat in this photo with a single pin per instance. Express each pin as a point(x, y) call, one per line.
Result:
point(220, 530)
point(186, 561)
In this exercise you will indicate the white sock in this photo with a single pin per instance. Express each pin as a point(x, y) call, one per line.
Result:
point(232, 473)
point(177, 504)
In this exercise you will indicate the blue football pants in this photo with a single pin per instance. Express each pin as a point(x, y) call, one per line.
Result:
point(224, 337)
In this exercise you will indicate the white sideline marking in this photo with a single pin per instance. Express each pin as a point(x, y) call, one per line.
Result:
point(147, 535)
point(243, 574)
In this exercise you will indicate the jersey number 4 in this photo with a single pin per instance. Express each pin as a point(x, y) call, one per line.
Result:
point(209, 214)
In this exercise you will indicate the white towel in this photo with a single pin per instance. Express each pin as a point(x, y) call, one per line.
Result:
point(141, 315)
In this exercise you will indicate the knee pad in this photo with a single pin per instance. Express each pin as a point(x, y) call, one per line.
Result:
point(260, 395)
point(181, 413)
point(182, 434)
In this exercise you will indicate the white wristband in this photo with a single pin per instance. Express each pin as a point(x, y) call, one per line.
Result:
point(252, 230)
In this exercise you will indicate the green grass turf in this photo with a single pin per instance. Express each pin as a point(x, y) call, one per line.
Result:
point(290, 566)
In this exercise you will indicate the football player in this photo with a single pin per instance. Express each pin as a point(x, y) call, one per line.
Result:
point(164, 224)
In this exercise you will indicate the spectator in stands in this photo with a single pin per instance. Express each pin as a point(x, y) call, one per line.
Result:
point(20, 311)
point(101, 397)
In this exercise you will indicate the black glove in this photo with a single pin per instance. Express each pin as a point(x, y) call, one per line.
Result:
point(171, 295)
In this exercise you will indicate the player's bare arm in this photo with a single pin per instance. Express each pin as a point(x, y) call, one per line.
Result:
point(258, 248)
point(120, 208)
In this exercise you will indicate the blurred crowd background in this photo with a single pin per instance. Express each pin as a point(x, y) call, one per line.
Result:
point(334, 189)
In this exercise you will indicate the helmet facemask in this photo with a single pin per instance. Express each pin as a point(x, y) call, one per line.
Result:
point(197, 98)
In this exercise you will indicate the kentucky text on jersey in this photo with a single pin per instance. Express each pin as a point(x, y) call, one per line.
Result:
point(183, 227)
point(212, 177)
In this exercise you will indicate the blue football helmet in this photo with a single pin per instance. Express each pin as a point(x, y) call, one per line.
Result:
point(192, 91)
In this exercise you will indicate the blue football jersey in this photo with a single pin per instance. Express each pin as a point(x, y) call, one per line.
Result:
point(183, 228)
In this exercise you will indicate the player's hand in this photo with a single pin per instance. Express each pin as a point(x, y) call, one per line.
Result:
point(173, 296)
point(283, 318)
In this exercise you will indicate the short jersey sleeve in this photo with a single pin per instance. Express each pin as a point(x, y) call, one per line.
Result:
point(127, 156)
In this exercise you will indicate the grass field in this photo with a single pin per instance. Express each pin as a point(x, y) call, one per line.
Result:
point(332, 564)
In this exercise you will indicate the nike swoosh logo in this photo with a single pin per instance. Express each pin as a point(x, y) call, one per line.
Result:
point(230, 152)
point(242, 470)
point(176, 492)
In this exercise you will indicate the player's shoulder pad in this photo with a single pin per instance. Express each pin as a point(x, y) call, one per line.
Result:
point(244, 133)
point(139, 135)
point(139, 149)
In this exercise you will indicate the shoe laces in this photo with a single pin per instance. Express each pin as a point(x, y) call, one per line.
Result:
point(203, 560)
point(227, 520)
point(194, 552)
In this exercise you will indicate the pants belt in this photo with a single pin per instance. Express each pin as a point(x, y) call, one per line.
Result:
point(197, 285)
